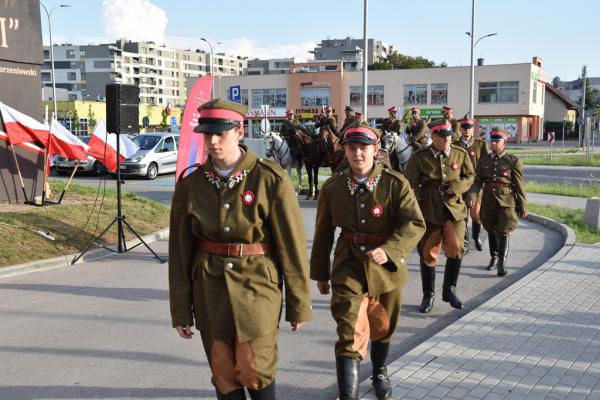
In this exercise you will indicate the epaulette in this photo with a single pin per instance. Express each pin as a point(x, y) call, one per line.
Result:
point(393, 173)
point(422, 149)
point(333, 178)
point(273, 166)
point(180, 177)
point(459, 148)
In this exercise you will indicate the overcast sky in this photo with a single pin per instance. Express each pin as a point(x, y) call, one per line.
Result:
point(564, 33)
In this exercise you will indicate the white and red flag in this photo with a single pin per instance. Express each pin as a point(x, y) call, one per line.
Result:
point(103, 146)
point(64, 143)
point(21, 128)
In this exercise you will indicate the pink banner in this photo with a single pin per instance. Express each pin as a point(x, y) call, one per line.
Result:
point(191, 145)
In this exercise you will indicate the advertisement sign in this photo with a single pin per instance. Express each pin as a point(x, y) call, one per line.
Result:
point(509, 124)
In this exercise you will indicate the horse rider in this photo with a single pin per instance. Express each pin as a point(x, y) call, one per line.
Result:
point(391, 123)
point(288, 133)
point(327, 121)
point(416, 131)
point(449, 115)
point(349, 121)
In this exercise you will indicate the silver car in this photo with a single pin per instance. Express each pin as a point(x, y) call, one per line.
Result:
point(64, 166)
point(157, 154)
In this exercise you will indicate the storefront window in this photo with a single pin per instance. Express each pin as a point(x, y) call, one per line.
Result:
point(245, 97)
point(415, 94)
point(314, 97)
point(499, 92)
point(375, 95)
point(439, 93)
point(271, 97)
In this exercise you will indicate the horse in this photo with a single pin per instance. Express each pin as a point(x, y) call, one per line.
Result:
point(335, 152)
point(400, 150)
point(279, 149)
point(314, 153)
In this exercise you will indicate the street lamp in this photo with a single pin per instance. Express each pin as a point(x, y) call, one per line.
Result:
point(49, 14)
point(211, 70)
point(472, 35)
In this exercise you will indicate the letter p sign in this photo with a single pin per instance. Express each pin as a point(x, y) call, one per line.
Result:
point(235, 94)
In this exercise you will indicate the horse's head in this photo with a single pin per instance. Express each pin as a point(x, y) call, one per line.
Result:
point(388, 140)
point(269, 143)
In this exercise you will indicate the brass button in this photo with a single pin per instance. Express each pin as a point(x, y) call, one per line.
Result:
point(361, 191)
point(362, 248)
point(362, 205)
point(226, 229)
point(229, 265)
point(362, 221)
point(226, 206)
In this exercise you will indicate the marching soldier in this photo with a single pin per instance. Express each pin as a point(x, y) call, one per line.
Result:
point(416, 131)
point(288, 133)
point(440, 173)
point(501, 176)
point(236, 239)
point(476, 147)
point(350, 120)
point(380, 225)
point(327, 121)
point(392, 123)
point(449, 115)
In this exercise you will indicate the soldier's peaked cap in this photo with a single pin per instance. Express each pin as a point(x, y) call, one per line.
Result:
point(498, 134)
point(348, 108)
point(467, 123)
point(219, 115)
point(415, 110)
point(392, 109)
point(362, 134)
point(448, 109)
point(441, 127)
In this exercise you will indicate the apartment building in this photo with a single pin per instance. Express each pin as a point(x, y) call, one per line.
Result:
point(350, 52)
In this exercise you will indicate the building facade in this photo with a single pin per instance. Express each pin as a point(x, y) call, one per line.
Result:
point(350, 52)
point(162, 73)
point(510, 96)
point(270, 66)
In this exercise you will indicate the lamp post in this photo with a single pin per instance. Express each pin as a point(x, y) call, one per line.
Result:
point(473, 44)
point(365, 61)
point(49, 14)
point(211, 70)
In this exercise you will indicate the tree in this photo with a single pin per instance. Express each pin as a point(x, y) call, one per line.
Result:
point(556, 81)
point(163, 121)
point(91, 119)
point(395, 60)
point(75, 123)
point(591, 97)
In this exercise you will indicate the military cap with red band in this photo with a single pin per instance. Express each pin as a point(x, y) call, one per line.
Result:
point(348, 108)
point(415, 110)
point(498, 134)
point(467, 123)
point(392, 109)
point(448, 109)
point(441, 127)
point(362, 134)
point(219, 115)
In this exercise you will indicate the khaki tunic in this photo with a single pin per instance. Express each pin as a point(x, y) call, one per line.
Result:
point(456, 128)
point(349, 122)
point(417, 131)
point(391, 124)
point(476, 148)
point(503, 192)
point(239, 296)
point(327, 123)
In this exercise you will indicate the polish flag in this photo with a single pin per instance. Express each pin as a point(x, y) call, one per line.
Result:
point(103, 146)
point(21, 128)
point(64, 143)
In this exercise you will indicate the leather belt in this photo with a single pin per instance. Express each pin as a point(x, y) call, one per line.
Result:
point(497, 184)
point(364, 238)
point(234, 249)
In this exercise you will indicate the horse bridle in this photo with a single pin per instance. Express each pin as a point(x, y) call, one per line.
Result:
point(273, 152)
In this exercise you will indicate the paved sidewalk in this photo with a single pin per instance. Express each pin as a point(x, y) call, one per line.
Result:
point(556, 200)
point(538, 339)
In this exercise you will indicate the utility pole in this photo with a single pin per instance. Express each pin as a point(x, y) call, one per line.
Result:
point(365, 62)
point(582, 115)
point(472, 91)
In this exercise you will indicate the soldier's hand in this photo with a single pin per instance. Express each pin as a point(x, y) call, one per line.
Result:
point(449, 191)
point(524, 214)
point(185, 331)
point(378, 256)
point(296, 325)
point(471, 204)
point(323, 287)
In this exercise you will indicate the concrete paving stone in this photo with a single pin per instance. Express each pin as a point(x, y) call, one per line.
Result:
point(567, 381)
point(587, 380)
point(576, 396)
point(494, 396)
point(538, 371)
point(548, 379)
point(418, 392)
point(529, 380)
point(459, 392)
point(438, 392)
point(479, 391)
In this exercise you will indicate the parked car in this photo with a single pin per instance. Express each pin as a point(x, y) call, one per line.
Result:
point(157, 154)
point(64, 166)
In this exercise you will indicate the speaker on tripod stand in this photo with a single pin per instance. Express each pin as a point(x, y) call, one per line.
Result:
point(122, 116)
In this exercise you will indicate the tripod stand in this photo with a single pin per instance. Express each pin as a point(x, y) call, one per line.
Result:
point(119, 220)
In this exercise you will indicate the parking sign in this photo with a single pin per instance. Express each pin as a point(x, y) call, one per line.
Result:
point(235, 94)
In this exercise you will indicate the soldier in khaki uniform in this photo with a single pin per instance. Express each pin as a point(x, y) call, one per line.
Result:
point(416, 131)
point(327, 121)
point(501, 176)
point(449, 115)
point(350, 120)
point(236, 240)
point(476, 147)
point(392, 123)
point(440, 174)
point(288, 133)
point(380, 224)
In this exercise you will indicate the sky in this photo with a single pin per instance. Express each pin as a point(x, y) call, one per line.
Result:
point(564, 34)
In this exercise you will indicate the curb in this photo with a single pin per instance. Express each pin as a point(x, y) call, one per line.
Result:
point(65, 261)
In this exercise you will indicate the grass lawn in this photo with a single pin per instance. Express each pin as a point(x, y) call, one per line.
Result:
point(574, 160)
point(324, 173)
point(570, 217)
point(72, 223)
point(543, 150)
point(561, 189)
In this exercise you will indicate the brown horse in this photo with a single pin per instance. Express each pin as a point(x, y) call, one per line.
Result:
point(314, 153)
point(335, 152)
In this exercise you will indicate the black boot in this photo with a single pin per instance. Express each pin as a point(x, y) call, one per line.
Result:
point(266, 393)
point(238, 394)
point(466, 238)
point(347, 376)
point(428, 282)
point(503, 244)
point(493, 242)
point(476, 238)
point(380, 379)
point(450, 277)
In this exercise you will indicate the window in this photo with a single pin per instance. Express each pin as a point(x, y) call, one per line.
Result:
point(375, 95)
point(81, 53)
point(415, 94)
point(535, 92)
point(168, 144)
point(311, 97)
point(499, 92)
point(245, 96)
point(46, 76)
point(72, 76)
point(46, 53)
point(272, 97)
point(70, 53)
point(72, 97)
point(439, 93)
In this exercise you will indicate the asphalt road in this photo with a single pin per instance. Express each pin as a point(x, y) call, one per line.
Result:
point(566, 175)
point(101, 330)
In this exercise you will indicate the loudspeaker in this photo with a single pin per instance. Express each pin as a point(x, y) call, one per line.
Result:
point(122, 108)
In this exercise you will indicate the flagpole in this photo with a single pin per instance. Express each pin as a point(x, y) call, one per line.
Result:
point(45, 169)
point(12, 146)
point(68, 183)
